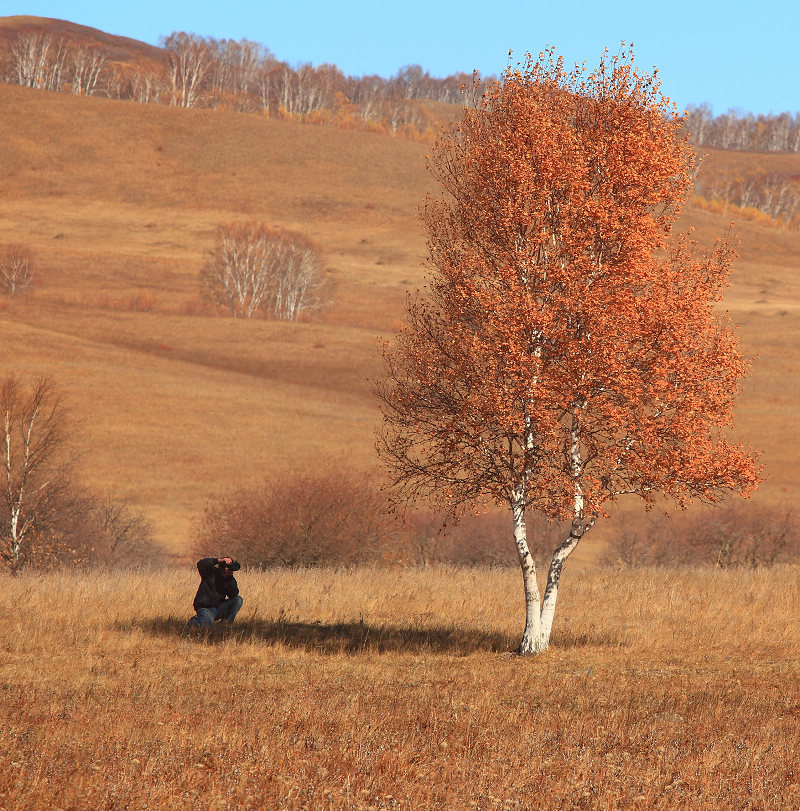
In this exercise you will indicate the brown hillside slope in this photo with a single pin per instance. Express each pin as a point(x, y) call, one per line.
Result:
point(119, 50)
point(118, 199)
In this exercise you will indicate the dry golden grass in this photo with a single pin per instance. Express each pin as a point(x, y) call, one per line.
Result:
point(386, 688)
point(119, 202)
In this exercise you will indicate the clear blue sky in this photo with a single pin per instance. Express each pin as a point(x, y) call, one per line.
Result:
point(737, 54)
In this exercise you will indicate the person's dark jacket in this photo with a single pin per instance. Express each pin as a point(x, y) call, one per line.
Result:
point(214, 589)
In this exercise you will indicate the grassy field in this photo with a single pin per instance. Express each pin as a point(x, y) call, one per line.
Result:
point(397, 688)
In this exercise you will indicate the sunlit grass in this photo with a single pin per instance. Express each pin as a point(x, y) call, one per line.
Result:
point(399, 688)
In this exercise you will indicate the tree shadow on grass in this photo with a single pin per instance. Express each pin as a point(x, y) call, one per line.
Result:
point(352, 638)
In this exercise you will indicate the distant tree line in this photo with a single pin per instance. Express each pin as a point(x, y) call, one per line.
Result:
point(743, 131)
point(204, 72)
point(769, 197)
point(758, 194)
point(198, 71)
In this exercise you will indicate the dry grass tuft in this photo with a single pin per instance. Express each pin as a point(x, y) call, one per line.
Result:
point(386, 688)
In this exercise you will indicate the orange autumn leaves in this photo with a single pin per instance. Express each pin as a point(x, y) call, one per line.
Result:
point(560, 305)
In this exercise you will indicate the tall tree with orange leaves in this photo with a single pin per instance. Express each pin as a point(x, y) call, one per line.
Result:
point(568, 350)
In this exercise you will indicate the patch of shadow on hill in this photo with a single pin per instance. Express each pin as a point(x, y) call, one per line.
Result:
point(352, 638)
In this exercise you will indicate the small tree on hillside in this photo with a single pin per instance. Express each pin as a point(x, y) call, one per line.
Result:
point(254, 268)
point(16, 269)
point(568, 352)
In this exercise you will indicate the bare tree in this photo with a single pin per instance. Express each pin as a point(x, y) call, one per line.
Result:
point(35, 461)
point(298, 279)
point(16, 269)
point(254, 268)
point(190, 60)
point(30, 53)
point(47, 516)
point(239, 271)
point(86, 66)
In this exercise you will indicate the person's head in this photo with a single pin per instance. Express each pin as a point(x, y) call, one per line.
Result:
point(228, 569)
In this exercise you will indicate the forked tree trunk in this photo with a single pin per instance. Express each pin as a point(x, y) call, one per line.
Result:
point(578, 529)
point(539, 615)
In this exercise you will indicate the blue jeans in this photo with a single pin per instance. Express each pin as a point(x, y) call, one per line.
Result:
point(225, 612)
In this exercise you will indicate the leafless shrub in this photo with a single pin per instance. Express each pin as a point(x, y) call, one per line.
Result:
point(253, 268)
point(740, 535)
point(484, 539)
point(124, 536)
point(16, 269)
point(331, 517)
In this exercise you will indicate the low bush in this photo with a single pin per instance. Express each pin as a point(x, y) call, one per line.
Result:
point(736, 535)
point(331, 517)
point(339, 517)
point(477, 540)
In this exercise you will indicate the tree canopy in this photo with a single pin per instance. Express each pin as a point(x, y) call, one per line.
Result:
point(568, 349)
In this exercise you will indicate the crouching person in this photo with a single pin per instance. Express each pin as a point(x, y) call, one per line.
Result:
point(217, 597)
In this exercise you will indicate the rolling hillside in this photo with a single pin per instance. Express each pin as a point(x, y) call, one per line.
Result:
point(120, 50)
point(120, 201)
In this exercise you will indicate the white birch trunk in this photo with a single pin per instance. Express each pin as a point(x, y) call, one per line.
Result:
point(551, 589)
point(532, 633)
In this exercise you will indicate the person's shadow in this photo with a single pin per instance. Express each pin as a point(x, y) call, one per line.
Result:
point(339, 637)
